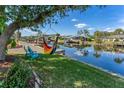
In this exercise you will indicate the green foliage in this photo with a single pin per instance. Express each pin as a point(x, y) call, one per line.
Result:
point(2, 19)
point(119, 31)
point(99, 34)
point(18, 76)
point(61, 38)
point(97, 40)
point(1, 83)
point(8, 42)
point(13, 43)
point(89, 39)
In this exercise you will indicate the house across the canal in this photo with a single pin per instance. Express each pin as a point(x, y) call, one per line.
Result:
point(113, 38)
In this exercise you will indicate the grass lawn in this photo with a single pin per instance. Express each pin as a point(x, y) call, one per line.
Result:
point(59, 71)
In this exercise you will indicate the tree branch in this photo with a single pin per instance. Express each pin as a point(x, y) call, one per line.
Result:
point(10, 29)
point(41, 18)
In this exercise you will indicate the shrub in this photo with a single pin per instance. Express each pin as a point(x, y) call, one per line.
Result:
point(1, 83)
point(18, 76)
point(13, 44)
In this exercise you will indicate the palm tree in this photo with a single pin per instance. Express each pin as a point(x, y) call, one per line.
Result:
point(83, 32)
point(39, 34)
point(80, 32)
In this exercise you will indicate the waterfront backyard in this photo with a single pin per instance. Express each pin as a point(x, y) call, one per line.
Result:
point(62, 71)
point(39, 50)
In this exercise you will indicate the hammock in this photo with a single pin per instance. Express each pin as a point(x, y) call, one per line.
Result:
point(49, 49)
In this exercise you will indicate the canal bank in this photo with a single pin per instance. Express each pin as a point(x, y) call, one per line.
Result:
point(60, 71)
point(99, 68)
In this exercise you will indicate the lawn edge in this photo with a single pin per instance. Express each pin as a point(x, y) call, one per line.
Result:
point(96, 67)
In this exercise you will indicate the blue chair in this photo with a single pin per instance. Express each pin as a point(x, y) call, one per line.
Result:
point(27, 52)
point(31, 53)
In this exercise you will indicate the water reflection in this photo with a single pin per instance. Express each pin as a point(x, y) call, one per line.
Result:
point(98, 51)
point(82, 52)
point(76, 46)
point(110, 58)
point(96, 54)
point(118, 60)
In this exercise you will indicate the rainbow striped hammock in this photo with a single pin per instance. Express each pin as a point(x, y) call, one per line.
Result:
point(49, 49)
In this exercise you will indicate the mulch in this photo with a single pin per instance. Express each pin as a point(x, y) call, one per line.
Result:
point(5, 65)
point(8, 61)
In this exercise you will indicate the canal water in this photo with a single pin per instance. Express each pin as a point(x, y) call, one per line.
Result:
point(105, 57)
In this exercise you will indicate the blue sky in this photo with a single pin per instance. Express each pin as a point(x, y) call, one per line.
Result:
point(105, 19)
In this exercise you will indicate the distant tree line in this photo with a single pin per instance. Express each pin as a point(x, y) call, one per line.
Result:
point(99, 34)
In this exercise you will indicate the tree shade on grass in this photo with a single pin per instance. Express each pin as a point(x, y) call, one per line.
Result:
point(59, 71)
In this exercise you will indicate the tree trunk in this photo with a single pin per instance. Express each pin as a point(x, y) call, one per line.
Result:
point(4, 37)
point(2, 52)
point(2, 46)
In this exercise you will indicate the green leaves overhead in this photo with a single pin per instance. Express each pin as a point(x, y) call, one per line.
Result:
point(35, 16)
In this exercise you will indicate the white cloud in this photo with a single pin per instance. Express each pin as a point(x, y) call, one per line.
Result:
point(28, 32)
point(80, 25)
point(90, 28)
point(106, 29)
point(74, 20)
point(109, 29)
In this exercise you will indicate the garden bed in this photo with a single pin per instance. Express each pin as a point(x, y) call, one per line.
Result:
point(5, 65)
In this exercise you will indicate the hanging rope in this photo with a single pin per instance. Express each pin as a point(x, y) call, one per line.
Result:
point(47, 30)
point(48, 49)
point(50, 28)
